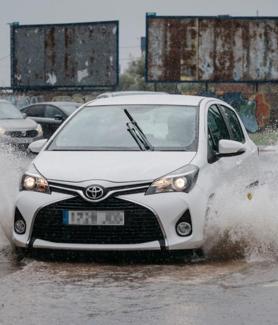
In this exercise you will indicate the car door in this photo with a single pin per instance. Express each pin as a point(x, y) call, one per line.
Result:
point(246, 163)
point(53, 118)
point(36, 113)
point(223, 169)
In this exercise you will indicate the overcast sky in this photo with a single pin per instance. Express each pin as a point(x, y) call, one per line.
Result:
point(130, 13)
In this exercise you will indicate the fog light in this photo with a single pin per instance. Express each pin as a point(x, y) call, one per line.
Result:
point(20, 226)
point(184, 228)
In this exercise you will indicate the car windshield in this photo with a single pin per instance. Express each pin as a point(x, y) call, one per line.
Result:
point(130, 127)
point(9, 111)
point(69, 108)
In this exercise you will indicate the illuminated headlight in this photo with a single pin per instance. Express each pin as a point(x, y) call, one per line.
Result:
point(2, 131)
point(39, 130)
point(181, 180)
point(35, 183)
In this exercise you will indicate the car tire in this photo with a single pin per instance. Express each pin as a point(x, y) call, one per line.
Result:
point(198, 254)
point(20, 253)
point(190, 256)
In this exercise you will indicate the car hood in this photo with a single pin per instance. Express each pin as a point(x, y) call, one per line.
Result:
point(110, 166)
point(18, 124)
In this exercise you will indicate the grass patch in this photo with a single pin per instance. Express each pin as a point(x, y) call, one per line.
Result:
point(265, 138)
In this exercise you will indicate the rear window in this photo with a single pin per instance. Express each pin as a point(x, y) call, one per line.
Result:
point(69, 108)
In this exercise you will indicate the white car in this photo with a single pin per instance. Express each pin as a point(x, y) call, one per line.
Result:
point(15, 127)
point(132, 173)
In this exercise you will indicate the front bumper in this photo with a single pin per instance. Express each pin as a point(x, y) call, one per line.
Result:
point(38, 243)
point(167, 208)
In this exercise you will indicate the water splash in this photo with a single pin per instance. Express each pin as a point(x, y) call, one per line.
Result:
point(241, 225)
point(12, 164)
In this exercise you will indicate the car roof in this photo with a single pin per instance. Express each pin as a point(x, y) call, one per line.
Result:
point(128, 93)
point(54, 103)
point(58, 104)
point(159, 99)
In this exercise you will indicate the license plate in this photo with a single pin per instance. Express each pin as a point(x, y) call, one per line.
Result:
point(94, 218)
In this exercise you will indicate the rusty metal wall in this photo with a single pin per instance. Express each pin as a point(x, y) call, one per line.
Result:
point(212, 49)
point(65, 55)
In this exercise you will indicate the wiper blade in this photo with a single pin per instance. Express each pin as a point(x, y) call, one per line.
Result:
point(140, 135)
point(133, 133)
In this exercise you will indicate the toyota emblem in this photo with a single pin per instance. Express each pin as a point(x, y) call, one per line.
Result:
point(94, 192)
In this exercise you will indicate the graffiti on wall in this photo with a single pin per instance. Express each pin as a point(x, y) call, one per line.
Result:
point(21, 100)
point(257, 109)
point(263, 110)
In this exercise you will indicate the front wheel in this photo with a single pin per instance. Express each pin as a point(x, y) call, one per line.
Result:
point(188, 256)
point(20, 253)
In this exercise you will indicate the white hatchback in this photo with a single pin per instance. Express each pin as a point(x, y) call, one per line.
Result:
point(132, 173)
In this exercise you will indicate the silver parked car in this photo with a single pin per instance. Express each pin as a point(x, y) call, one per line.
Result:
point(50, 115)
point(15, 128)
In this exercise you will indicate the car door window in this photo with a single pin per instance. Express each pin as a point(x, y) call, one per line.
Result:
point(52, 112)
point(234, 125)
point(35, 111)
point(217, 129)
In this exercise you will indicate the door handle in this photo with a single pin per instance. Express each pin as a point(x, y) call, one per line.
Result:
point(238, 163)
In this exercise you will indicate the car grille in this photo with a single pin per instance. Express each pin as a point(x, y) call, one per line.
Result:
point(140, 226)
point(22, 134)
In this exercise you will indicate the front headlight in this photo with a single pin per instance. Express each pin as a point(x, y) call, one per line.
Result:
point(181, 180)
point(2, 131)
point(39, 130)
point(34, 183)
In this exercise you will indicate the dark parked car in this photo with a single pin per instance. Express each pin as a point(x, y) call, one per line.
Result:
point(15, 128)
point(50, 115)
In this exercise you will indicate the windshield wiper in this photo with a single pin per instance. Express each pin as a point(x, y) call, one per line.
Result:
point(135, 136)
point(137, 133)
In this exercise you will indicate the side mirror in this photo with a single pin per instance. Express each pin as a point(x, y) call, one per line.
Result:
point(36, 146)
point(59, 117)
point(228, 148)
point(24, 115)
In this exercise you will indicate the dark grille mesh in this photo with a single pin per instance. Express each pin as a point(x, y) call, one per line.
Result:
point(140, 226)
point(25, 134)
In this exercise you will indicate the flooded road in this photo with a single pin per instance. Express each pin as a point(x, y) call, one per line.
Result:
point(233, 291)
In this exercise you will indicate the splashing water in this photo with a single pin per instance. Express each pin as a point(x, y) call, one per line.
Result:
point(12, 165)
point(242, 225)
